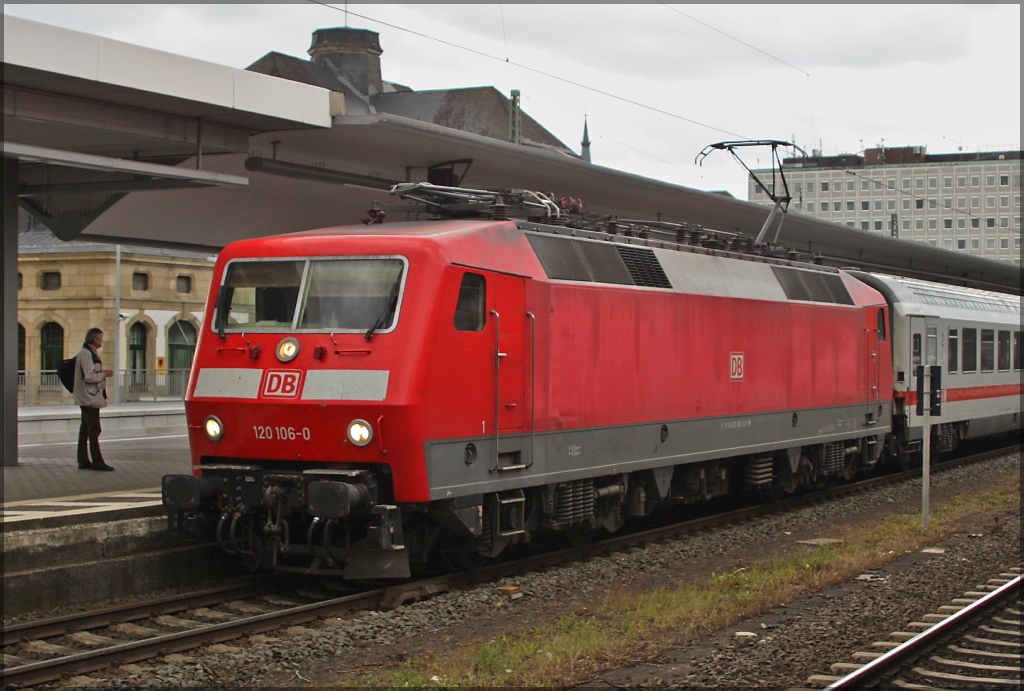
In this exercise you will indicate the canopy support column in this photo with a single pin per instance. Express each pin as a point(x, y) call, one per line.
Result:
point(9, 333)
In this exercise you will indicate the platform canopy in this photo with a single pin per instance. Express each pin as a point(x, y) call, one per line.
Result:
point(325, 178)
point(90, 119)
point(89, 122)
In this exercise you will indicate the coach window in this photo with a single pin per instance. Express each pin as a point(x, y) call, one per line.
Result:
point(915, 350)
point(1016, 350)
point(952, 351)
point(969, 352)
point(988, 347)
point(470, 309)
point(1004, 351)
point(932, 346)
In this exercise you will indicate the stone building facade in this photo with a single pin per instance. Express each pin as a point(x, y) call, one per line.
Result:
point(66, 288)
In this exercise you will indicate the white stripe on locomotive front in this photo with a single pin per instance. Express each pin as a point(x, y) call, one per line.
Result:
point(319, 385)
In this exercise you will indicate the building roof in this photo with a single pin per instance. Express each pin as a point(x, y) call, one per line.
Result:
point(480, 110)
point(298, 70)
point(898, 156)
point(37, 239)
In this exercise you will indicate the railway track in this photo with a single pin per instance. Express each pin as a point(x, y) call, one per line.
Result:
point(973, 643)
point(80, 643)
point(44, 650)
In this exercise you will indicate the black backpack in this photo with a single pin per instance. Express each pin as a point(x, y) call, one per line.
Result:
point(66, 373)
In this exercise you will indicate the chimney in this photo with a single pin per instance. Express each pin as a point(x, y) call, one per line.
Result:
point(350, 53)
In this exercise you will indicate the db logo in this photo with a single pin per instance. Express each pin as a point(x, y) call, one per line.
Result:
point(282, 383)
point(736, 366)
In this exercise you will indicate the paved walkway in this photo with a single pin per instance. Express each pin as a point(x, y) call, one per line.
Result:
point(47, 483)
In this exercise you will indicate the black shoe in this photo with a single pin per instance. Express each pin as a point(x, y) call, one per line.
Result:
point(84, 466)
point(102, 466)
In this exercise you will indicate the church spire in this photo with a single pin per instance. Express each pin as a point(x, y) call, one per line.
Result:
point(585, 153)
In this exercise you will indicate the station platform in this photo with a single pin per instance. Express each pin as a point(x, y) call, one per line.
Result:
point(142, 441)
point(43, 424)
point(75, 538)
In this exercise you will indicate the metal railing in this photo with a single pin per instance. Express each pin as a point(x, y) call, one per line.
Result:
point(42, 387)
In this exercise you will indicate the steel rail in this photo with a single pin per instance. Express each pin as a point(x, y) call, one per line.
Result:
point(132, 651)
point(55, 626)
point(878, 669)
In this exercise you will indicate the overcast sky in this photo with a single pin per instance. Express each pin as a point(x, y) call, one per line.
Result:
point(657, 83)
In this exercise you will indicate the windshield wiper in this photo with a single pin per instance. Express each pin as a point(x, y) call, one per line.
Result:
point(223, 298)
point(385, 314)
point(376, 325)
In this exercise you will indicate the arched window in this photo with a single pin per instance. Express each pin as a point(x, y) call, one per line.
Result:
point(137, 340)
point(21, 348)
point(181, 346)
point(51, 346)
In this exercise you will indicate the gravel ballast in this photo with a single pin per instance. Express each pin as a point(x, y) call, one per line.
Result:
point(786, 647)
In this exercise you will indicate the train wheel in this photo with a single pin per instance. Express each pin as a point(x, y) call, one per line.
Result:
point(789, 484)
point(578, 536)
point(463, 553)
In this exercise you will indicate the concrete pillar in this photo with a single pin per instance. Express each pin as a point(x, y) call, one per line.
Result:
point(9, 332)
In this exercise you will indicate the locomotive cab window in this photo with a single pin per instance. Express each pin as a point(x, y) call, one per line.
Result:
point(470, 312)
point(352, 294)
point(881, 324)
point(261, 295)
point(338, 295)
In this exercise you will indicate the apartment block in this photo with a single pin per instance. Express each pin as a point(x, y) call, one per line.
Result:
point(965, 202)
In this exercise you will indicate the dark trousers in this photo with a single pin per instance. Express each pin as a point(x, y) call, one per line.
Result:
point(90, 430)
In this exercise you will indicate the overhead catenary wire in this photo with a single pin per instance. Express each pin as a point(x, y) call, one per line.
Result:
point(804, 72)
point(649, 155)
point(536, 71)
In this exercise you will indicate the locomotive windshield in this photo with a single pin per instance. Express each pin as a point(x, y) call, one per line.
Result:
point(339, 295)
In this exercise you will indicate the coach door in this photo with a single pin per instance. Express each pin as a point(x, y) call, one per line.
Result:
point(509, 321)
point(924, 350)
point(877, 339)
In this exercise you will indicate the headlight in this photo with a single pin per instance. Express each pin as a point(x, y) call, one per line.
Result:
point(213, 427)
point(359, 432)
point(287, 349)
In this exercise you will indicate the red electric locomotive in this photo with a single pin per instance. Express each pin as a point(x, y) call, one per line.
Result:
point(367, 397)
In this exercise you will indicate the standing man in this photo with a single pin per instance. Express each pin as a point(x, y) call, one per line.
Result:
point(91, 395)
